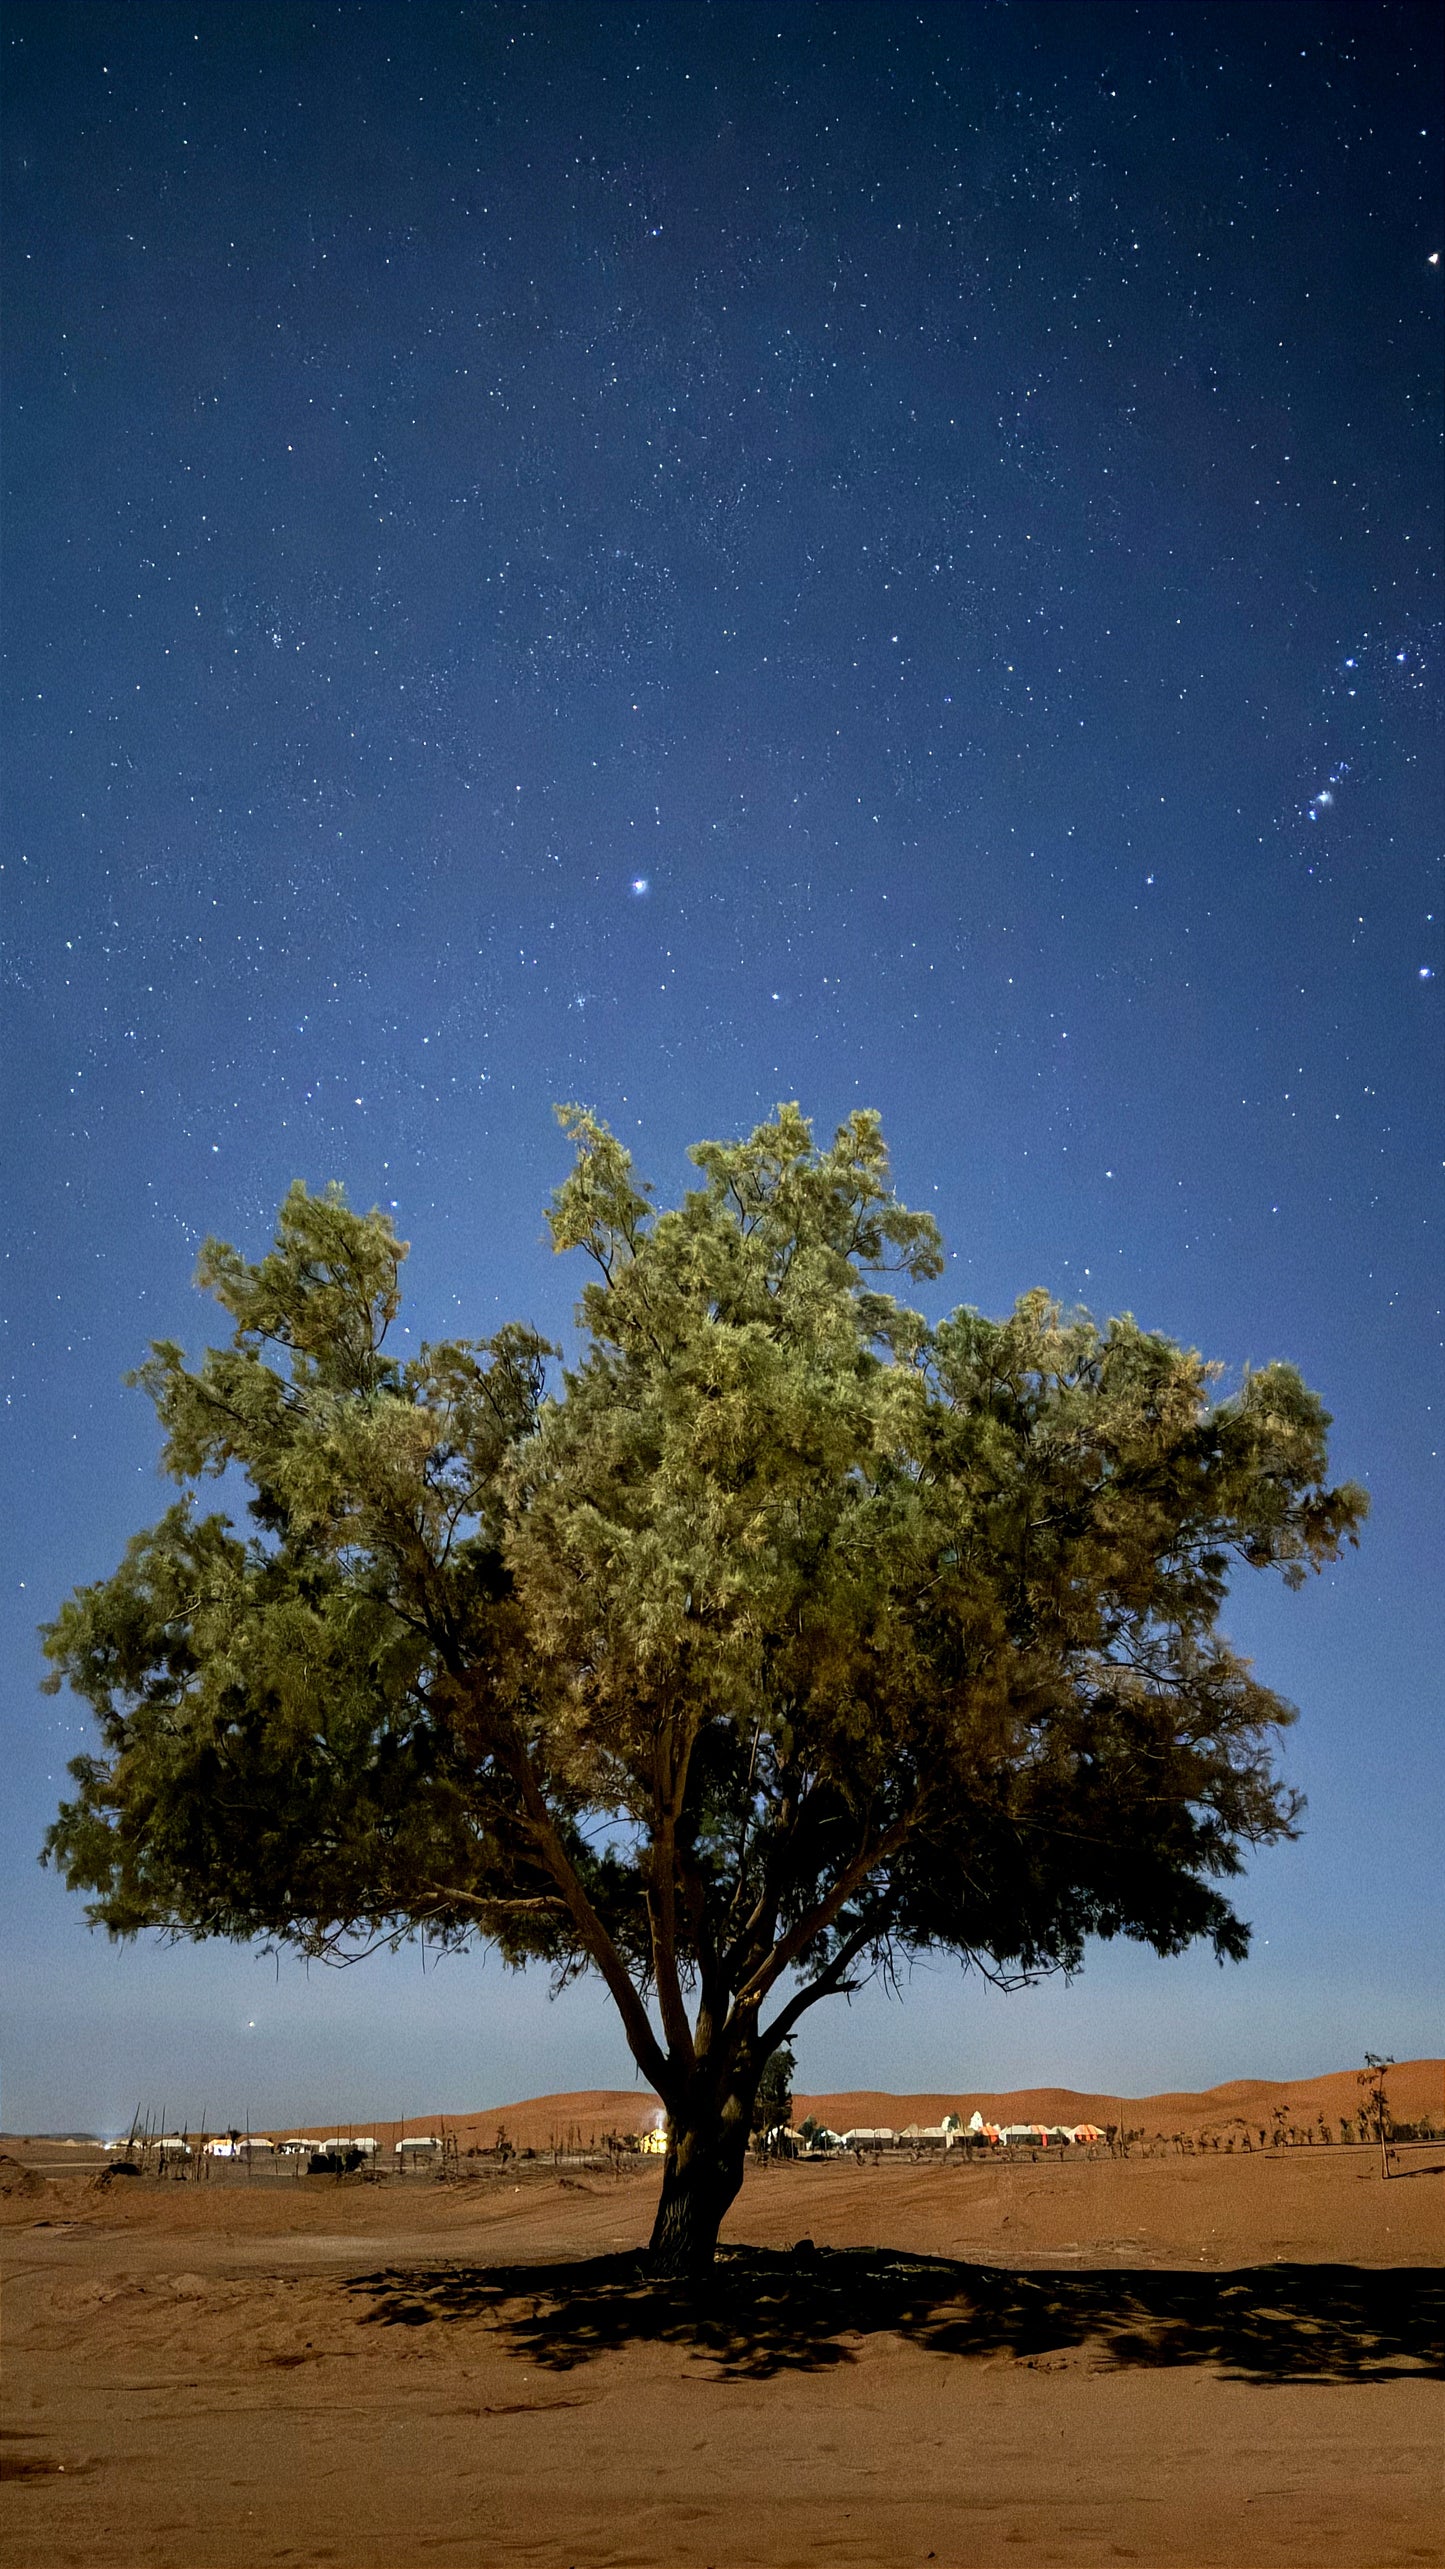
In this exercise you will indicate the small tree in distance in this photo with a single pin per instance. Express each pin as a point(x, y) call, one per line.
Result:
point(785, 1636)
point(773, 2103)
point(1375, 2101)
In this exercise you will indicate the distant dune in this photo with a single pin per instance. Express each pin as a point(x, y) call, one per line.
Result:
point(584, 2115)
point(1416, 2088)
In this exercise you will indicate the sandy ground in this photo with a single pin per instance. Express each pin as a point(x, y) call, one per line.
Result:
point(1200, 2361)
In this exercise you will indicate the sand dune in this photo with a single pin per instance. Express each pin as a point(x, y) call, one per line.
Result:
point(1416, 2088)
point(585, 2115)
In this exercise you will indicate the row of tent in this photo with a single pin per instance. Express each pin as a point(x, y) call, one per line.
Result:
point(861, 2136)
point(951, 2133)
point(1040, 2136)
point(256, 2145)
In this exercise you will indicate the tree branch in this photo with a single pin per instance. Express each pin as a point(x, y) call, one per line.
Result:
point(764, 1909)
point(830, 1983)
point(822, 1915)
point(668, 1791)
point(642, 2042)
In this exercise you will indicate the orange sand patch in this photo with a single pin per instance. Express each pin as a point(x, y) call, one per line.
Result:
point(1224, 2362)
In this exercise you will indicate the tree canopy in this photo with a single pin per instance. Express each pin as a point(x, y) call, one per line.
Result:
point(780, 1636)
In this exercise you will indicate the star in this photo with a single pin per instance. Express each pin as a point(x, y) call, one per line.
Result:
point(511, 452)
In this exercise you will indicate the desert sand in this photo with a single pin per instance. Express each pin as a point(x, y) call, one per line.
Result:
point(1207, 2360)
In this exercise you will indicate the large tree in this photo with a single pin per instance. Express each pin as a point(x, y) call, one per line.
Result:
point(787, 1637)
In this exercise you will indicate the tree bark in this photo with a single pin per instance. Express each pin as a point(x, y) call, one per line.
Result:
point(707, 2147)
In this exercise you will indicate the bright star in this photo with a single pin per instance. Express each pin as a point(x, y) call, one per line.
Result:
point(638, 886)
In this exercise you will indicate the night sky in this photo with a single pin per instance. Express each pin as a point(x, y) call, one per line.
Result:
point(690, 556)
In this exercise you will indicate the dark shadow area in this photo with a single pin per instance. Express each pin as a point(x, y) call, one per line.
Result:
point(762, 2313)
point(35, 2466)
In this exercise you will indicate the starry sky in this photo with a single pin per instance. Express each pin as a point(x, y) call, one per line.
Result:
point(686, 556)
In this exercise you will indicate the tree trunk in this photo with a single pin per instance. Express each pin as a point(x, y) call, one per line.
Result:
point(706, 2155)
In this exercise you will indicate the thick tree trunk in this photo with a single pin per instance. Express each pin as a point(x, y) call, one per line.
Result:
point(706, 2155)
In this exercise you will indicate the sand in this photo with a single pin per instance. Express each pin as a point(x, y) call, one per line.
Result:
point(1211, 2360)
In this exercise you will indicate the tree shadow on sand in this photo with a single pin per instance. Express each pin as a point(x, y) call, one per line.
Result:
point(803, 2310)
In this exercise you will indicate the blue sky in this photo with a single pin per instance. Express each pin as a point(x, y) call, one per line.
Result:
point(682, 560)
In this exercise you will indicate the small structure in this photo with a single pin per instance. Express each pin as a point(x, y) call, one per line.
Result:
point(341, 2155)
point(425, 2145)
point(653, 2143)
point(1032, 2136)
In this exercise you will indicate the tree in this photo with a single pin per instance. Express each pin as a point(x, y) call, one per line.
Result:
point(784, 1638)
point(1372, 2082)
point(773, 2102)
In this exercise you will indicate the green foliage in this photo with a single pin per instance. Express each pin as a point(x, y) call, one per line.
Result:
point(1373, 2083)
point(784, 1637)
point(773, 2104)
